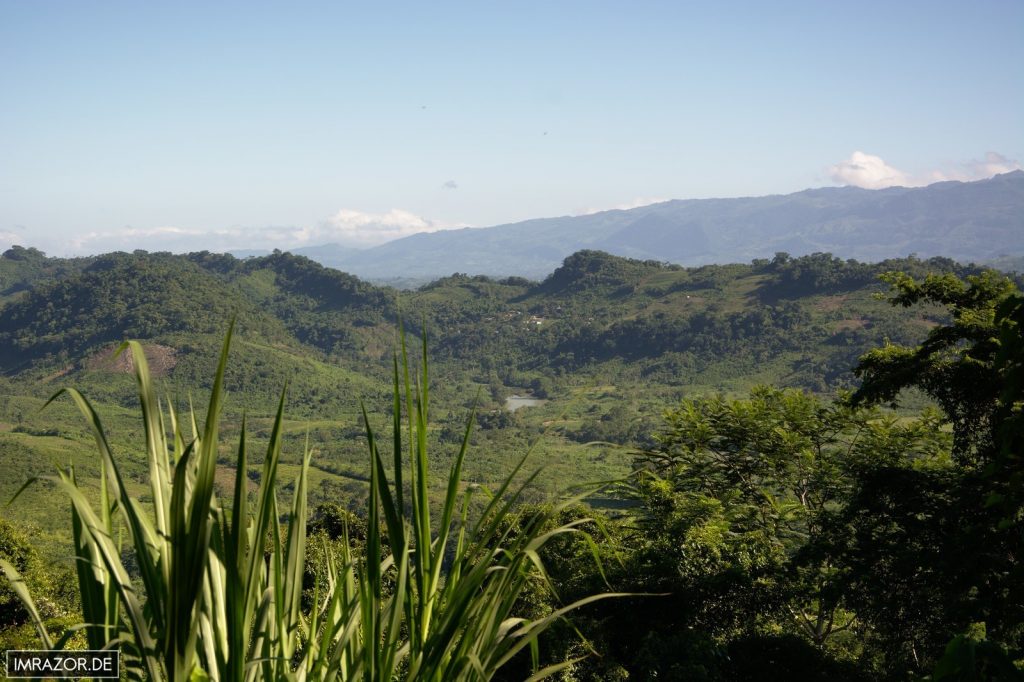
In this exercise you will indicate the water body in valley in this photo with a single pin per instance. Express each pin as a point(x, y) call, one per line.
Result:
point(514, 402)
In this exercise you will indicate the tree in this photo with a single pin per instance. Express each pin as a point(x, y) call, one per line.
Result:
point(783, 463)
point(52, 584)
point(956, 364)
point(734, 506)
point(1009, 366)
point(16, 549)
point(935, 553)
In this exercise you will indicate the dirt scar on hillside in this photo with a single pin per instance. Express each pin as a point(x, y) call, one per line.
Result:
point(161, 360)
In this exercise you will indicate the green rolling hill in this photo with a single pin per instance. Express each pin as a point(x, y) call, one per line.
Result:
point(608, 342)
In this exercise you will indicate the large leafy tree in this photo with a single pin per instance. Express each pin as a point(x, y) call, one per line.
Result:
point(782, 464)
point(930, 554)
point(736, 503)
point(1010, 411)
point(958, 364)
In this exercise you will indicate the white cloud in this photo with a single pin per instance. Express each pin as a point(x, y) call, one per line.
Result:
point(165, 238)
point(635, 203)
point(355, 228)
point(868, 171)
point(347, 227)
point(872, 172)
point(994, 163)
point(9, 238)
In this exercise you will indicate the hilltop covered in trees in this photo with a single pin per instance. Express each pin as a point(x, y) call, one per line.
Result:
point(799, 527)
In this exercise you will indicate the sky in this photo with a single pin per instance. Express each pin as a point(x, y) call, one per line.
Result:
point(191, 125)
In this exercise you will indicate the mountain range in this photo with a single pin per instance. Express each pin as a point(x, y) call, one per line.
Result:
point(971, 221)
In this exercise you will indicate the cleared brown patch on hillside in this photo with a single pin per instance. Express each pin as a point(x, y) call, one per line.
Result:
point(161, 360)
point(829, 304)
point(376, 341)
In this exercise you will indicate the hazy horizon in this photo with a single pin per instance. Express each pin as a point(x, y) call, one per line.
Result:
point(236, 126)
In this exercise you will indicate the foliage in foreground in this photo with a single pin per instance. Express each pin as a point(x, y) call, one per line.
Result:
point(800, 539)
point(813, 540)
point(221, 584)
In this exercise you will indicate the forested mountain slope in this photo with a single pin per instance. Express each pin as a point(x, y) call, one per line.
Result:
point(665, 322)
point(608, 342)
point(749, 496)
point(977, 221)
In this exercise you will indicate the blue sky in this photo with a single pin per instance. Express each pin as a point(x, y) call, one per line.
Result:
point(234, 125)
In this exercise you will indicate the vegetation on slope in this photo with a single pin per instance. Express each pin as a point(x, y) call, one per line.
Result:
point(800, 535)
point(222, 585)
point(609, 342)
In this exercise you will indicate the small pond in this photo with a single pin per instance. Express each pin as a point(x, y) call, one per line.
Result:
point(514, 402)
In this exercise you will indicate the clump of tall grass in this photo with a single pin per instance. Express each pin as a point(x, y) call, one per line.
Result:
point(221, 584)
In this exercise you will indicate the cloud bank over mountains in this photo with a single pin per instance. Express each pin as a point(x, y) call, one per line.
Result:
point(347, 227)
point(868, 171)
point(354, 229)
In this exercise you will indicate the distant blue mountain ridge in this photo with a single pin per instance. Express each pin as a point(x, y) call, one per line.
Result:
point(969, 221)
